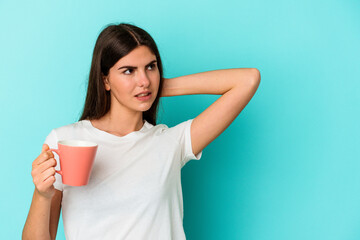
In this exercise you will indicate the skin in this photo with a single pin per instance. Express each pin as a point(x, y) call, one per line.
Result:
point(125, 114)
point(237, 87)
point(44, 213)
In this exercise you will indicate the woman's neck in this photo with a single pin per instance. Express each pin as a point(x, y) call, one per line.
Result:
point(119, 125)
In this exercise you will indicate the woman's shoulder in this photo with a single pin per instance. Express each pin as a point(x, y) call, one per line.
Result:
point(63, 132)
point(174, 129)
point(158, 128)
point(71, 126)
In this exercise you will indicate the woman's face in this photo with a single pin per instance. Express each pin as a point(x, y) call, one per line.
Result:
point(131, 75)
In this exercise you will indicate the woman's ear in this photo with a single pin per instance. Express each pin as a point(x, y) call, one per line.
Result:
point(106, 83)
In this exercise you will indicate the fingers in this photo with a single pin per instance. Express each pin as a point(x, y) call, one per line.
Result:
point(45, 147)
point(43, 172)
point(49, 182)
point(43, 157)
point(47, 173)
point(39, 178)
point(42, 163)
point(46, 186)
point(51, 162)
point(40, 168)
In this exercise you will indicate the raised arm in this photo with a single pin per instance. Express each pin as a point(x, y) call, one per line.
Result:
point(237, 87)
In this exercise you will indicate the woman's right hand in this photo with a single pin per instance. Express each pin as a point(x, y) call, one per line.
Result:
point(43, 173)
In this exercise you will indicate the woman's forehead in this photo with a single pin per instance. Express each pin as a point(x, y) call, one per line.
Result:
point(140, 56)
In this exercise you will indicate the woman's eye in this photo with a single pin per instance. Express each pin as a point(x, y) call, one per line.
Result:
point(152, 65)
point(127, 70)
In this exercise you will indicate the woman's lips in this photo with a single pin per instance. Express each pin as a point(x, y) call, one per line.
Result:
point(144, 98)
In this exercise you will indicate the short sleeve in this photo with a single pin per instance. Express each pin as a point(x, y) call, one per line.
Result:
point(51, 140)
point(182, 132)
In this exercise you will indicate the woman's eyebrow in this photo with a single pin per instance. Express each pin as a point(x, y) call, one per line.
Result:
point(136, 67)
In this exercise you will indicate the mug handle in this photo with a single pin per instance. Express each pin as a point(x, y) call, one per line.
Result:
point(58, 153)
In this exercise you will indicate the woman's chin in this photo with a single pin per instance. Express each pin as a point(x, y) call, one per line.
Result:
point(145, 108)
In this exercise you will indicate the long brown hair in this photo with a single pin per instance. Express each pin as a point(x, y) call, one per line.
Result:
point(113, 43)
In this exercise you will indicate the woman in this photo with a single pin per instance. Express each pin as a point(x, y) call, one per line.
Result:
point(134, 190)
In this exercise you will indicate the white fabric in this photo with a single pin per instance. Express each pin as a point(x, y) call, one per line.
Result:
point(134, 191)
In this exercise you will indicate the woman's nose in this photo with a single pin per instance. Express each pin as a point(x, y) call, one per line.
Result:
point(143, 80)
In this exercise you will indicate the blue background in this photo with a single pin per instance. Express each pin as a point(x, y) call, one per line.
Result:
point(286, 168)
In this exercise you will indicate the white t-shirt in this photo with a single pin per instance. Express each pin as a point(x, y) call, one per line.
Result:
point(134, 191)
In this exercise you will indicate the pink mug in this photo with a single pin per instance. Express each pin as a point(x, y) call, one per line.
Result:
point(76, 161)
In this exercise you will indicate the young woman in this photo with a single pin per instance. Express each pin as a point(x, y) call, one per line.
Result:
point(134, 191)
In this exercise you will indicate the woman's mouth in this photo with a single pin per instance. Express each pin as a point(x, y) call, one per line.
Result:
point(143, 97)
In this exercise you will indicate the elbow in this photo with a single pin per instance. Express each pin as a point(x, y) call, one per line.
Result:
point(255, 79)
point(256, 76)
point(252, 77)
